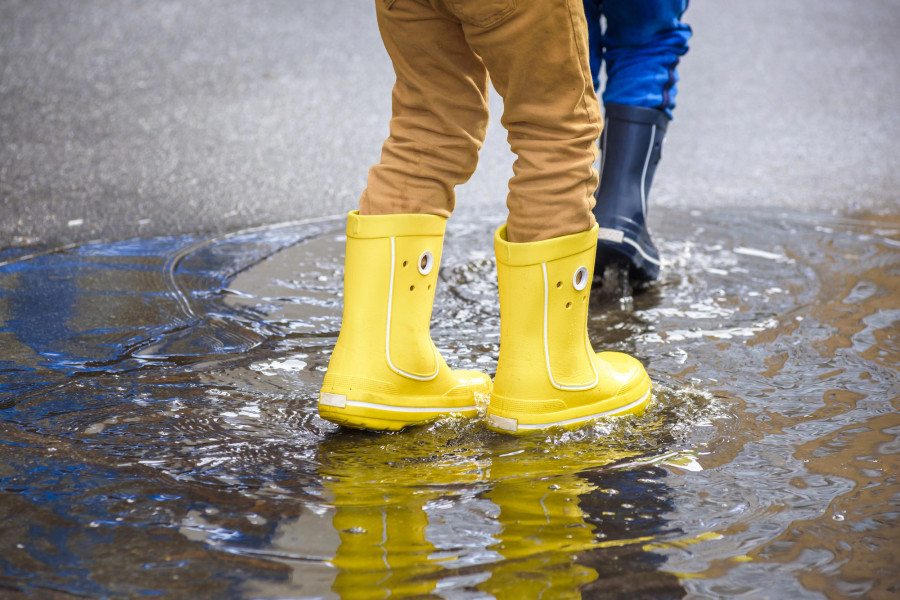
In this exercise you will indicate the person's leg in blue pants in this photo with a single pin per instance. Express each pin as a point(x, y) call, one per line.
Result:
point(640, 42)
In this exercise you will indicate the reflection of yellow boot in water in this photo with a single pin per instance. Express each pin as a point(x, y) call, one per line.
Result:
point(383, 551)
point(547, 373)
point(379, 488)
point(385, 372)
point(543, 532)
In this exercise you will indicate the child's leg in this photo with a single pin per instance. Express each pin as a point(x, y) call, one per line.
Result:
point(385, 372)
point(538, 61)
point(642, 44)
point(547, 372)
point(439, 116)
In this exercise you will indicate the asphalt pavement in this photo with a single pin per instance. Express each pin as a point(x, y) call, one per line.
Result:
point(136, 118)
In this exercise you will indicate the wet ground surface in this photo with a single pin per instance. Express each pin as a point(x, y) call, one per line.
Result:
point(159, 436)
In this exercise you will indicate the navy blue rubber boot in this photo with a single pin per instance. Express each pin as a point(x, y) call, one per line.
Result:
point(631, 146)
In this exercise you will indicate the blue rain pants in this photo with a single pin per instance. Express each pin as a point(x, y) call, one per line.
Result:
point(641, 44)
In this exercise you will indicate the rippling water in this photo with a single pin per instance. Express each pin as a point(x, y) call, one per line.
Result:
point(159, 436)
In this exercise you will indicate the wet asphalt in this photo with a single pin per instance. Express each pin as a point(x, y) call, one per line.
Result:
point(134, 118)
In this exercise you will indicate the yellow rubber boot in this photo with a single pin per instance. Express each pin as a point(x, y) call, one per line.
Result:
point(385, 372)
point(548, 373)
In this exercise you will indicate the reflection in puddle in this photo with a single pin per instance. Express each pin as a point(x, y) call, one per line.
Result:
point(158, 431)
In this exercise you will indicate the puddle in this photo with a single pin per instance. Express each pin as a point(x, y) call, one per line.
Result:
point(158, 430)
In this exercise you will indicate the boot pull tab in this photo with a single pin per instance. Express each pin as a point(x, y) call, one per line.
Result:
point(426, 262)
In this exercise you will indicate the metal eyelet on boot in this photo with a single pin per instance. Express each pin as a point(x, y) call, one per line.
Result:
point(426, 262)
point(580, 278)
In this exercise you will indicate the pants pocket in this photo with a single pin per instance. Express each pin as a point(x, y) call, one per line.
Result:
point(481, 13)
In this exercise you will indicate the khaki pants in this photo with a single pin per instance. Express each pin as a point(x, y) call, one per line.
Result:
point(535, 53)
